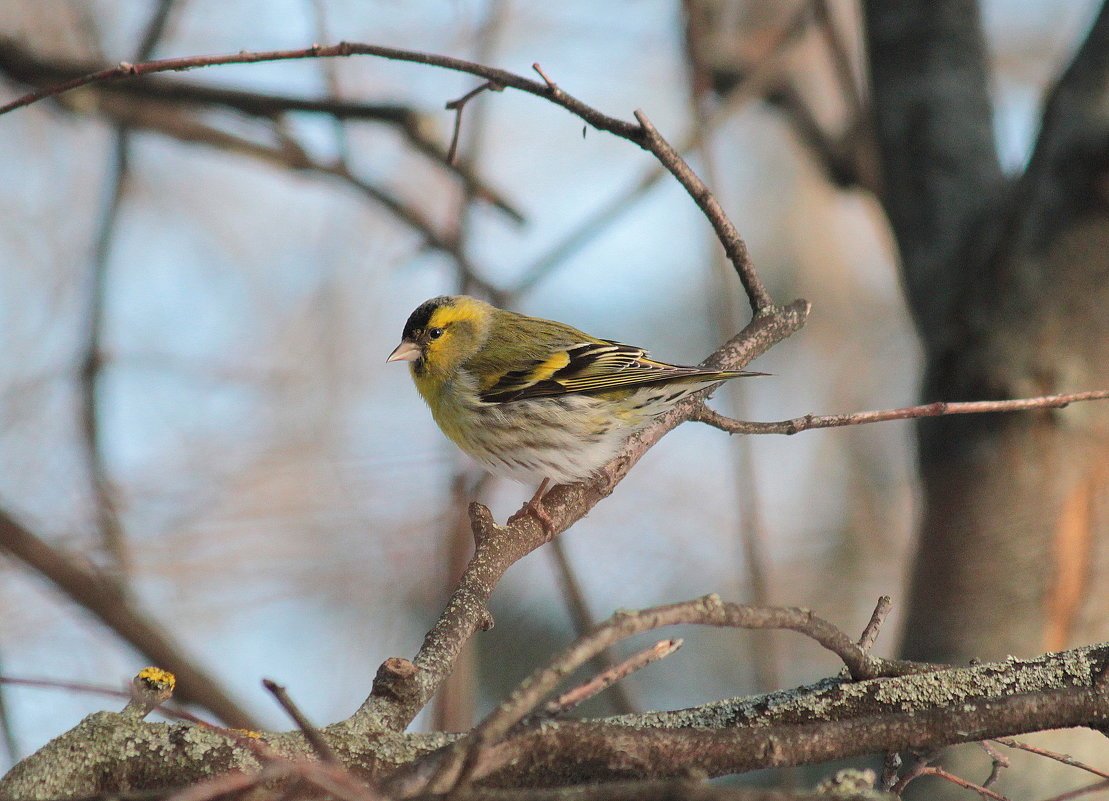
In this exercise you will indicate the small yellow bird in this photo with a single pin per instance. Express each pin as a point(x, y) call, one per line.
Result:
point(536, 400)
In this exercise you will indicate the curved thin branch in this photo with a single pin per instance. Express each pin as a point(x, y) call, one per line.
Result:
point(734, 246)
point(498, 76)
point(703, 414)
point(709, 610)
point(642, 134)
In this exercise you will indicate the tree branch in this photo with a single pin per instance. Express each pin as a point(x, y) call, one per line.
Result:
point(643, 134)
point(1072, 142)
point(27, 67)
point(704, 414)
point(834, 718)
point(466, 754)
point(103, 597)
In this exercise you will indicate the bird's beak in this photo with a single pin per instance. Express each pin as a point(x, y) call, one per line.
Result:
point(405, 352)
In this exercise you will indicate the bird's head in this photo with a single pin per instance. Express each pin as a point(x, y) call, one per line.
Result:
point(442, 333)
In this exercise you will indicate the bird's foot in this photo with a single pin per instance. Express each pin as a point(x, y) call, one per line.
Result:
point(535, 508)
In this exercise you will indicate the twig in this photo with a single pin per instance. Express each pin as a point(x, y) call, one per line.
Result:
point(331, 78)
point(643, 134)
point(101, 596)
point(343, 49)
point(870, 633)
point(96, 689)
point(411, 124)
point(922, 767)
point(151, 687)
point(464, 755)
point(458, 106)
point(485, 49)
point(734, 246)
point(998, 762)
point(539, 71)
point(601, 682)
point(230, 784)
point(754, 83)
point(1081, 791)
point(311, 733)
point(574, 597)
point(985, 792)
point(706, 415)
point(914, 771)
point(1066, 759)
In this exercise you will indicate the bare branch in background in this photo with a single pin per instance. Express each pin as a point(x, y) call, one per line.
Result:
point(188, 98)
point(643, 134)
point(765, 71)
point(1066, 759)
point(91, 360)
point(755, 83)
point(7, 731)
point(102, 596)
point(574, 597)
point(330, 70)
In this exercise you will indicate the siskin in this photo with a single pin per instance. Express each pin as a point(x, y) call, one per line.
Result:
point(536, 400)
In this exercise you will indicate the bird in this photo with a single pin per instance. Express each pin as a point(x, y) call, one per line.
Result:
point(536, 400)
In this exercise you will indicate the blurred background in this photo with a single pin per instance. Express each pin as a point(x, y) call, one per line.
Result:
point(197, 299)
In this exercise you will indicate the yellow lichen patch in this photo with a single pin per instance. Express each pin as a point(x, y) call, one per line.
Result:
point(158, 677)
point(247, 733)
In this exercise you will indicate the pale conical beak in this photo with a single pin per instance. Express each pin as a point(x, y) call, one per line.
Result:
point(405, 352)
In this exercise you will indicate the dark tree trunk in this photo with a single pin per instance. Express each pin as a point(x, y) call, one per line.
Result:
point(1009, 286)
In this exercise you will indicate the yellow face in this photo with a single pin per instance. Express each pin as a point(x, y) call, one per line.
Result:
point(441, 334)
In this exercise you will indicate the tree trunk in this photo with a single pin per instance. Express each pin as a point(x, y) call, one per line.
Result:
point(1009, 285)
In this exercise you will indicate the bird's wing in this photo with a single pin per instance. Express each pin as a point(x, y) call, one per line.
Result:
point(585, 367)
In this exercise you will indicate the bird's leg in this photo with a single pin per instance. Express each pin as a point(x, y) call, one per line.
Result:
point(535, 506)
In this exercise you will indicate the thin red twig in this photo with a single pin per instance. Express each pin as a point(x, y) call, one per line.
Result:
point(601, 682)
point(804, 423)
point(1066, 759)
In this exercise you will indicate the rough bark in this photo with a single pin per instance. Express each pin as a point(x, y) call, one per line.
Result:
point(111, 752)
point(1009, 283)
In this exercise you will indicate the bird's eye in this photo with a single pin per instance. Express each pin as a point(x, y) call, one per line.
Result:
point(434, 333)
